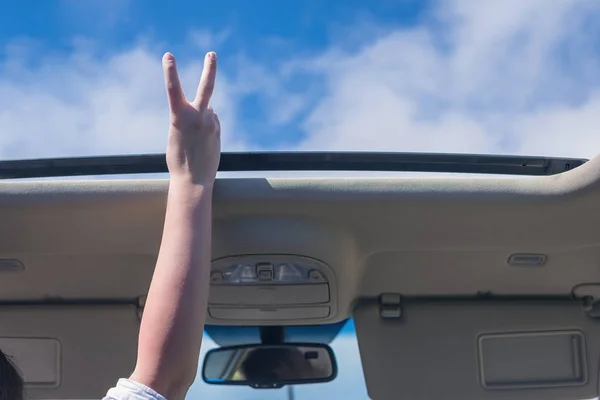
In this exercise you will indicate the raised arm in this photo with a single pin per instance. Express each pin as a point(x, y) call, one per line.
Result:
point(174, 315)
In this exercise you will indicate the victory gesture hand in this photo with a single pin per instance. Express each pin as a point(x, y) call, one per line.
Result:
point(194, 145)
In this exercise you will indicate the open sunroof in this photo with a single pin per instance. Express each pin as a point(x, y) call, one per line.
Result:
point(297, 161)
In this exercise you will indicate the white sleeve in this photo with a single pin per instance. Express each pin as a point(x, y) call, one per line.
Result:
point(130, 390)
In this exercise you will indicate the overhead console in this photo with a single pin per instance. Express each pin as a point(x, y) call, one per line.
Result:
point(271, 290)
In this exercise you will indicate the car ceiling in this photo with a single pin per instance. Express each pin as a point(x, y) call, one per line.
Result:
point(422, 237)
point(95, 242)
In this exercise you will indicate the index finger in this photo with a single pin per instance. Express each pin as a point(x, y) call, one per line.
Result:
point(172, 84)
point(207, 81)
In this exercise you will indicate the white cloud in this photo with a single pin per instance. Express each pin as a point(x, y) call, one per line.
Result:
point(491, 77)
point(484, 77)
point(79, 105)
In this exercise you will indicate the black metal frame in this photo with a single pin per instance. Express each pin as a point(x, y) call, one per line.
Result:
point(296, 161)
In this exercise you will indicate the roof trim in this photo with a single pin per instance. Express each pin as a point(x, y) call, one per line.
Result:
point(296, 161)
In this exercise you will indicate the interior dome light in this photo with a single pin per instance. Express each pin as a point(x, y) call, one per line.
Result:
point(273, 270)
point(238, 273)
point(291, 272)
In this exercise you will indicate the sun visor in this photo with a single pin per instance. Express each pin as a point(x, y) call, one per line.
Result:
point(498, 350)
point(70, 352)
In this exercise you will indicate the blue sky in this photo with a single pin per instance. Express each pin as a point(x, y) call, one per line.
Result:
point(83, 77)
point(262, 35)
point(511, 77)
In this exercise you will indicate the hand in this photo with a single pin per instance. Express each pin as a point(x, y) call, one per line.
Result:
point(194, 145)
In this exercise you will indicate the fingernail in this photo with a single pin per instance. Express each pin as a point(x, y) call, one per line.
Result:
point(168, 57)
point(212, 55)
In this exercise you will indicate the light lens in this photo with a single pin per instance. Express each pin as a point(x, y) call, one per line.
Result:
point(239, 273)
point(281, 272)
point(290, 272)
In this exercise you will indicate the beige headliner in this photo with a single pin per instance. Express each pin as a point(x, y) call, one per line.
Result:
point(423, 237)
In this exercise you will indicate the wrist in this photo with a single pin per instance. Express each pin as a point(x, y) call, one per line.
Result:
point(187, 188)
point(187, 180)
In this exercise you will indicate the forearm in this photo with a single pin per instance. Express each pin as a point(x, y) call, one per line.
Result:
point(172, 324)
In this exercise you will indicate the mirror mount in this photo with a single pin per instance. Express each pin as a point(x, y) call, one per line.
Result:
point(272, 335)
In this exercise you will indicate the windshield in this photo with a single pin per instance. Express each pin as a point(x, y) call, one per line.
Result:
point(349, 384)
point(84, 77)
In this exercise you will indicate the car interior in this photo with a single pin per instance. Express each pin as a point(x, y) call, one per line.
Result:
point(478, 286)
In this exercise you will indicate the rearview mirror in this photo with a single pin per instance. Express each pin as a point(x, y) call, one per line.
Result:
point(269, 366)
